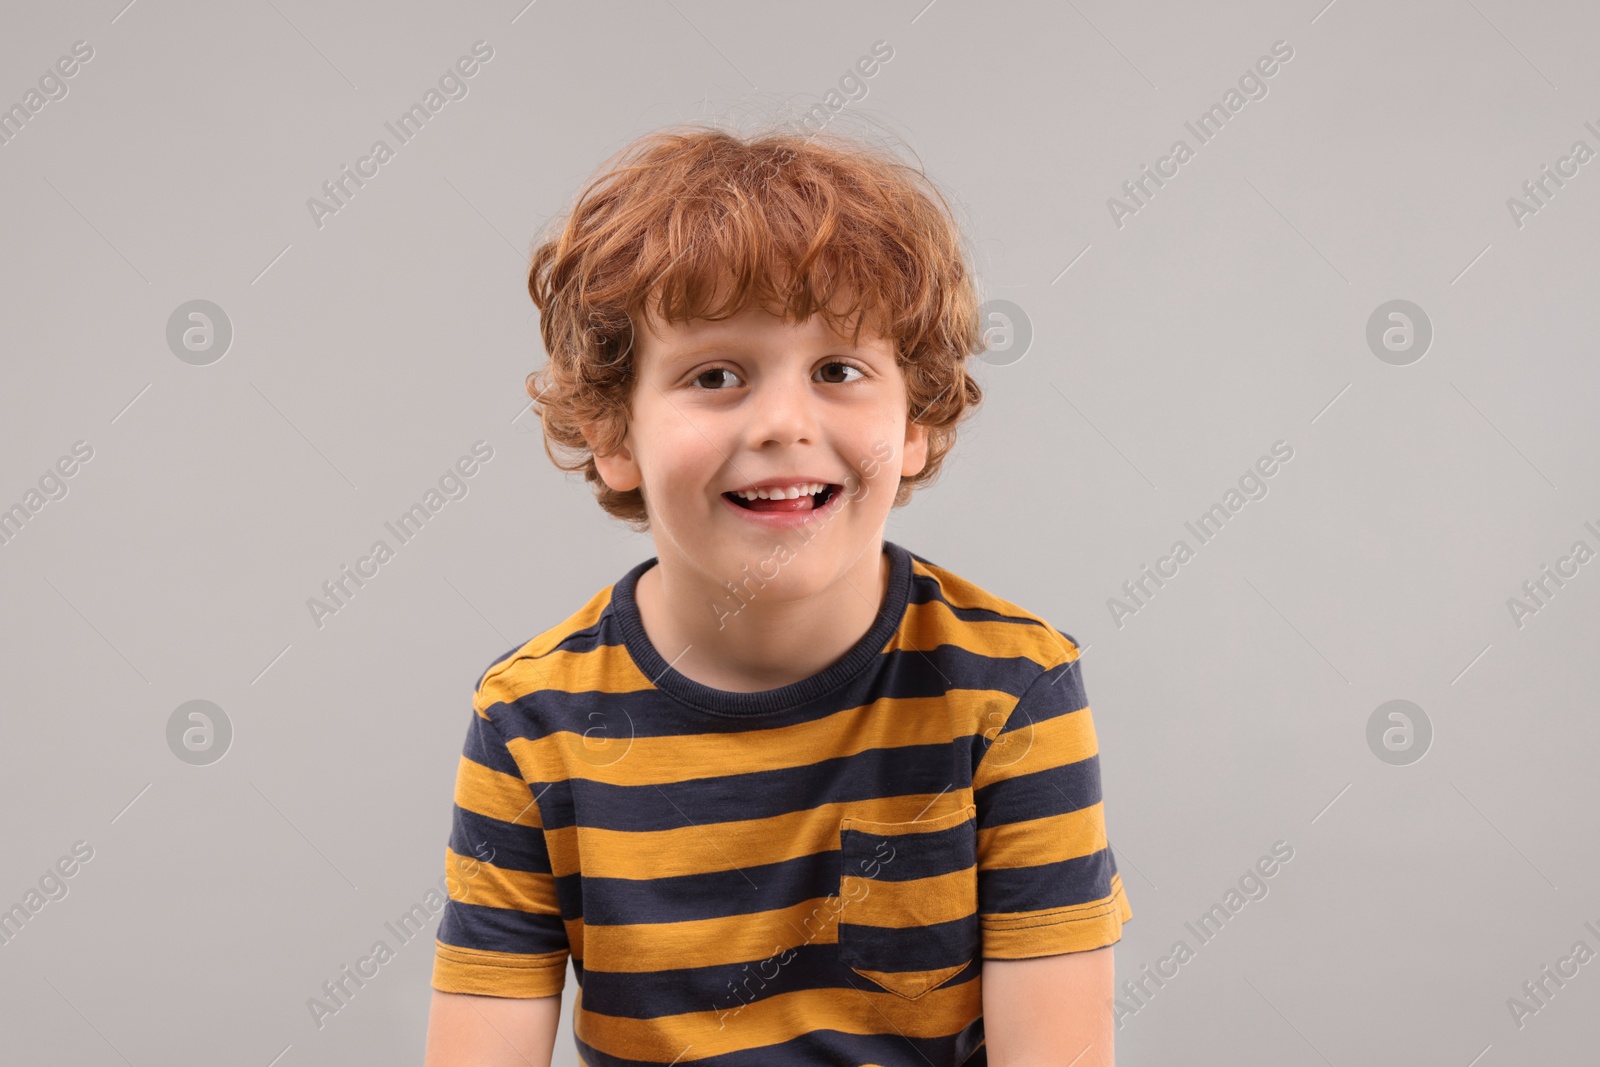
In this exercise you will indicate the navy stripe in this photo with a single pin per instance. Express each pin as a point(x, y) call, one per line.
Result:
point(468, 925)
point(713, 895)
point(484, 746)
point(906, 854)
point(517, 847)
point(1049, 885)
point(909, 948)
point(1055, 791)
point(878, 772)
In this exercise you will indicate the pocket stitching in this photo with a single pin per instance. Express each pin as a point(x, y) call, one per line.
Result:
point(943, 822)
point(894, 830)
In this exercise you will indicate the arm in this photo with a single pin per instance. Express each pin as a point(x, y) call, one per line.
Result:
point(501, 951)
point(1043, 1012)
point(1051, 903)
point(466, 1030)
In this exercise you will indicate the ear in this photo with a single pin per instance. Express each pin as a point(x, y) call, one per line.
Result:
point(619, 470)
point(914, 456)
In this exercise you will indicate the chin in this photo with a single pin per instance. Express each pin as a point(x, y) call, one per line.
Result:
point(792, 574)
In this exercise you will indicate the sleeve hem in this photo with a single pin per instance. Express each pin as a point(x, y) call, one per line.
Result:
point(1079, 928)
point(1069, 936)
point(498, 974)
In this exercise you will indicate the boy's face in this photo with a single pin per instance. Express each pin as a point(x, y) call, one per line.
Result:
point(749, 400)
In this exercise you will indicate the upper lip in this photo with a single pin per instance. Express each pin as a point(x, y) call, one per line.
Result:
point(782, 483)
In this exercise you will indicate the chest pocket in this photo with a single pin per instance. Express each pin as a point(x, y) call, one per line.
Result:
point(909, 890)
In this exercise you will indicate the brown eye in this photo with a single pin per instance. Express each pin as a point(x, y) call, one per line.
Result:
point(844, 366)
point(711, 374)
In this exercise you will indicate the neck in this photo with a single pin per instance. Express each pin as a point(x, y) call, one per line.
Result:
point(764, 642)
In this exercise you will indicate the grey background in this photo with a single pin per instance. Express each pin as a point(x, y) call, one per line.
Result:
point(1228, 314)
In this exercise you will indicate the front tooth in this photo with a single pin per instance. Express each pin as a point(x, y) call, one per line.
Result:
point(784, 494)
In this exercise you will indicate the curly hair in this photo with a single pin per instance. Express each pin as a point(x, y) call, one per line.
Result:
point(794, 222)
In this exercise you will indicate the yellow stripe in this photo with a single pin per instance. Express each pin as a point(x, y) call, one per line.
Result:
point(497, 974)
point(933, 623)
point(964, 594)
point(914, 902)
point(642, 947)
point(521, 672)
point(472, 881)
point(725, 846)
point(498, 796)
point(607, 750)
point(911, 983)
point(1027, 747)
point(1051, 839)
point(606, 669)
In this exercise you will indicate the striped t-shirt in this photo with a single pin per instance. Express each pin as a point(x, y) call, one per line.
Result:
point(809, 874)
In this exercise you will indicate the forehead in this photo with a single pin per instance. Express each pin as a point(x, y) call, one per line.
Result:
point(753, 328)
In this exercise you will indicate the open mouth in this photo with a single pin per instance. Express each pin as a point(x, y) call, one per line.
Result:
point(799, 503)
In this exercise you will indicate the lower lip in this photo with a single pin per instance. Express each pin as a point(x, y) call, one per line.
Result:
point(786, 520)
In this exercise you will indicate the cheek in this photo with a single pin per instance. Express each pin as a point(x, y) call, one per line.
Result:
point(686, 463)
point(879, 468)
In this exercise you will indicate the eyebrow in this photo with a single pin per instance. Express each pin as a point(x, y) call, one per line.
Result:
point(708, 348)
point(704, 348)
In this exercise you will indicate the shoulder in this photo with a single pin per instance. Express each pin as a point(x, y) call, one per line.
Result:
point(946, 608)
point(541, 661)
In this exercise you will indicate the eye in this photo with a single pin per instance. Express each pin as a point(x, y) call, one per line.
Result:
point(698, 378)
point(711, 374)
point(846, 366)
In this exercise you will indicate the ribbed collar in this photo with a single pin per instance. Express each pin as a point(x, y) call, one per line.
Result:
point(766, 701)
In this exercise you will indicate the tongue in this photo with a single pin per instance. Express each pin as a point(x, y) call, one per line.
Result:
point(799, 503)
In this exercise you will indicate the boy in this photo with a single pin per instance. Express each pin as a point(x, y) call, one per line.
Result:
point(785, 793)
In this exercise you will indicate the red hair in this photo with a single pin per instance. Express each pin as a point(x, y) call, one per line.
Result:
point(795, 223)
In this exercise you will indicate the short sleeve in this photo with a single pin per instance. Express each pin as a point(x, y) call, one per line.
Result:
point(1047, 881)
point(501, 934)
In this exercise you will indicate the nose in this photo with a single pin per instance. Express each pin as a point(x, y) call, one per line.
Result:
point(782, 412)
